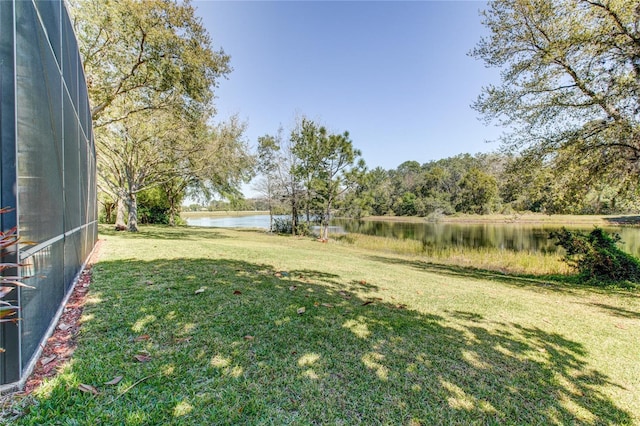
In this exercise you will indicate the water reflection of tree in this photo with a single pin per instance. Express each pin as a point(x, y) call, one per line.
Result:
point(514, 237)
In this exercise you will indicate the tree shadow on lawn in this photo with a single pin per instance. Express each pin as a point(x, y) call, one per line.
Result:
point(561, 284)
point(164, 232)
point(239, 352)
point(308, 275)
point(617, 311)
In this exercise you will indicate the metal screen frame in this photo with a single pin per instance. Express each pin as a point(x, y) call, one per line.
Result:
point(48, 171)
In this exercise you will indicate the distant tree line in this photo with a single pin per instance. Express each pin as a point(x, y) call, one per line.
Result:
point(474, 184)
point(484, 184)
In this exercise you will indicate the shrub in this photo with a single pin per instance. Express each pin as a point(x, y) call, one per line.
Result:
point(304, 229)
point(284, 225)
point(596, 256)
point(435, 216)
point(281, 226)
point(153, 206)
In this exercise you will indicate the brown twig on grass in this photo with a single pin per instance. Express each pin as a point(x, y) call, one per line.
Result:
point(132, 386)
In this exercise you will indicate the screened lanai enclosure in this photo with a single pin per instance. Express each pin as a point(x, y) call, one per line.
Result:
point(48, 173)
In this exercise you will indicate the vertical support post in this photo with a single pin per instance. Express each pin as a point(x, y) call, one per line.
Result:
point(9, 332)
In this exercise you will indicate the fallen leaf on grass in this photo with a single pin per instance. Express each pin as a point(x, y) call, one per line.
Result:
point(88, 389)
point(345, 295)
point(368, 302)
point(363, 282)
point(278, 274)
point(327, 305)
point(142, 338)
point(401, 306)
point(114, 381)
point(247, 337)
point(200, 290)
point(47, 360)
point(301, 310)
point(183, 339)
point(292, 288)
point(148, 282)
point(142, 358)
point(237, 292)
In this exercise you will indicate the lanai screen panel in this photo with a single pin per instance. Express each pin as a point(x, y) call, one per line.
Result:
point(9, 336)
point(50, 179)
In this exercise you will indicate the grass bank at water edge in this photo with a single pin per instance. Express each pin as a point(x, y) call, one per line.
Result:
point(213, 326)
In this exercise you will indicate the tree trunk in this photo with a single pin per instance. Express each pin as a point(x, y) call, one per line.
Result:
point(294, 216)
point(308, 206)
point(132, 204)
point(173, 211)
point(108, 211)
point(327, 216)
point(174, 191)
point(120, 210)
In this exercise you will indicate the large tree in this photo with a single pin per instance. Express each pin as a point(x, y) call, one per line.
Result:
point(380, 188)
point(134, 155)
point(149, 54)
point(288, 182)
point(307, 139)
point(214, 161)
point(150, 67)
point(313, 166)
point(570, 79)
point(478, 193)
point(267, 163)
point(328, 165)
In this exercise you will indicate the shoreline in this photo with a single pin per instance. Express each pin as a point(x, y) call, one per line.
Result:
point(223, 213)
point(524, 218)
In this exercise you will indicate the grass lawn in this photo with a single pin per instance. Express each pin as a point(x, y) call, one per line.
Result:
point(214, 326)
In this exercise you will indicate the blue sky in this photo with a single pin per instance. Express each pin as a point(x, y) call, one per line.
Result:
point(396, 75)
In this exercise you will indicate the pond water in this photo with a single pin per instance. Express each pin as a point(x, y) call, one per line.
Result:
point(507, 236)
point(253, 221)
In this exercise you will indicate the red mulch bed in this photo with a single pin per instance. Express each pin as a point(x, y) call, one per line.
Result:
point(60, 346)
